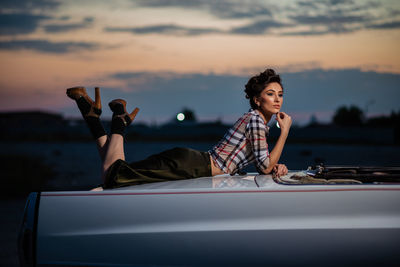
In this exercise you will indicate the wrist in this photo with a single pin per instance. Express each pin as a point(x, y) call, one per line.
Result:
point(284, 132)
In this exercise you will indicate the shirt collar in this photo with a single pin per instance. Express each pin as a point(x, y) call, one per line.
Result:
point(257, 113)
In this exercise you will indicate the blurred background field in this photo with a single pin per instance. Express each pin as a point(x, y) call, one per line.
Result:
point(76, 165)
point(45, 151)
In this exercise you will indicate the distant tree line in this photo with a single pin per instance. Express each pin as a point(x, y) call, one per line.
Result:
point(354, 116)
point(41, 126)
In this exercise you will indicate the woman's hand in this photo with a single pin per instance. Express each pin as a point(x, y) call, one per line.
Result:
point(280, 169)
point(284, 120)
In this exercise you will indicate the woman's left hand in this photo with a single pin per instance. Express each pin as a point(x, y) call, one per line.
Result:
point(280, 169)
point(285, 121)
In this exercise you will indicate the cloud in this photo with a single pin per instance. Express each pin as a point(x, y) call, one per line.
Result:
point(318, 3)
point(386, 25)
point(46, 46)
point(172, 3)
point(305, 33)
point(305, 17)
point(168, 29)
point(224, 9)
point(136, 78)
point(239, 12)
point(259, 27)
point(141, 76)
point(60, 28)
point(307, 4)
point(29, 5)
point(394, 12)
point(334, 16)
point(19, 23)
point(340, 2)
point(328, 19)
point(64, 18)
point(331, 29)
point(337, 6)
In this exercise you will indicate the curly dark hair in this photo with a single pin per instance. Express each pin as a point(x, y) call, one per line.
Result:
point(257, 84)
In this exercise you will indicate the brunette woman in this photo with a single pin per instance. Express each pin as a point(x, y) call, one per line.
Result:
point(243, 144)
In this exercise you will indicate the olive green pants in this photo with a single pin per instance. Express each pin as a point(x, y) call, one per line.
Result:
point(173, 164)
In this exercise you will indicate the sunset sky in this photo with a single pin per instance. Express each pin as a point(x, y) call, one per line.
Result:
point(164, 55)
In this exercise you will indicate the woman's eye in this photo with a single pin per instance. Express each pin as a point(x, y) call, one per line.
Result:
point(280, 95)
point(270, 94)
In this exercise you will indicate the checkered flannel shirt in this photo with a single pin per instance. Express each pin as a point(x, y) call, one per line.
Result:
point(244, 143)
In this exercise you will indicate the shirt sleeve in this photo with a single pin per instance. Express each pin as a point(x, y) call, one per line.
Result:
point(256, 134)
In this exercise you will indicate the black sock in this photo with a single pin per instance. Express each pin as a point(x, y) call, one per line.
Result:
point(83, 106)
point(94, 123)
point(95, 127)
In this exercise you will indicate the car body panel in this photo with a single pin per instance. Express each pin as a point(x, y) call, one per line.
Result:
point(223, 220)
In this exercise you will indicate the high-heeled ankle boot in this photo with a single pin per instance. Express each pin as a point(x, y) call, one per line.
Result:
point(121, 118)
point(90, 110)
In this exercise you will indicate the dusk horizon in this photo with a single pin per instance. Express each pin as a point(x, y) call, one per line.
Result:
point(163, 55)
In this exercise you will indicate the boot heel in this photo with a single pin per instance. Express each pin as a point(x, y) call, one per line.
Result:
point(133, 114)
point(97, 98)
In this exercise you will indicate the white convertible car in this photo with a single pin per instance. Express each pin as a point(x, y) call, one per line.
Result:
point(323, 217)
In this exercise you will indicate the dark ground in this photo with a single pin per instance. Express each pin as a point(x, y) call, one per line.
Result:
point(12, 210)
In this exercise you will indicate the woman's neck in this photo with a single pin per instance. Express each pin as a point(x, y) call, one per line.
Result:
point(265, 117)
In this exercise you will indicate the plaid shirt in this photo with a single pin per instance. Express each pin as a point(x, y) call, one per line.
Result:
point(244, 143)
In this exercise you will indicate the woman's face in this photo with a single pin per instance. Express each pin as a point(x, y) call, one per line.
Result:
point(270, 99)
